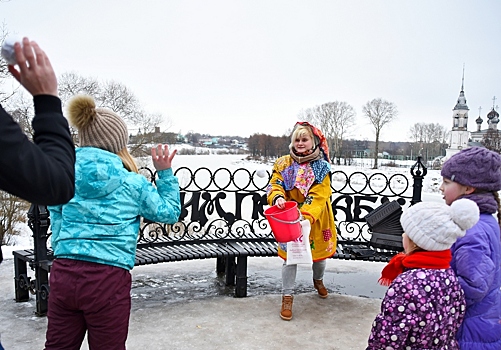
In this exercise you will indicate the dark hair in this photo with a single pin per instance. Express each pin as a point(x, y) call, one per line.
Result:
point(496, 197)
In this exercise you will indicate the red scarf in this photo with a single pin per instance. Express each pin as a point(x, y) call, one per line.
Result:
point(420, 259)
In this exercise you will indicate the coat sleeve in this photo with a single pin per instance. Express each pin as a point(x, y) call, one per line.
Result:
point(42, 172)
point(276, 187)
point(473, 264)
point(314, 203)
point(163, 203)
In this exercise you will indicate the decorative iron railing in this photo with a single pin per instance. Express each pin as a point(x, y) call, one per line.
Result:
point(222, 204)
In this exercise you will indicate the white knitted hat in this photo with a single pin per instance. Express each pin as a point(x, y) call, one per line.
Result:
point(436, 226)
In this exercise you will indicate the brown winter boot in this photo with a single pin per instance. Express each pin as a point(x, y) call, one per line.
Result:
point(286, 312)
point(319, 286)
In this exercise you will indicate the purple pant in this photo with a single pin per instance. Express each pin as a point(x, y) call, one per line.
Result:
point(90, 297)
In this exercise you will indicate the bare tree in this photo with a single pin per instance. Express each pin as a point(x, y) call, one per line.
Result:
point(13, 212)
point(379, 112)
point(335, 119)
point(4, 71)
point(20, 107)
point(120, 99)
point(492, 140)
point(306, 115)
point(268, 146)
point(193, 137)
point(71, 84)
point(428, 138)
point(416, 132)
point(435, 134)
point(113, 95)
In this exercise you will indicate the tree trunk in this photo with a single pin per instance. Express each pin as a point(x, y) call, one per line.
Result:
point(376, 150)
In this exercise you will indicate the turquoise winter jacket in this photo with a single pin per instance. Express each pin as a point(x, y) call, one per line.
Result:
point(101, 222)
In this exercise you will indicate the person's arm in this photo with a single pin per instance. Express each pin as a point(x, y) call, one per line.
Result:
point(276, 193)
point(43, 172)
point(163, 203)
point(473, 264)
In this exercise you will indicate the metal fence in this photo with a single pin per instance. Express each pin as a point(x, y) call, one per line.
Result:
point(223, 204)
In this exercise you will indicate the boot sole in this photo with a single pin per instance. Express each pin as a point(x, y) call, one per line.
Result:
point(322, 296)
point(285, 318)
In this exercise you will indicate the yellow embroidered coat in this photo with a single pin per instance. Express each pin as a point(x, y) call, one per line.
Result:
point(308, 184)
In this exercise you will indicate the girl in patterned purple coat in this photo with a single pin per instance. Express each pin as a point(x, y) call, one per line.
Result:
point(424, 304)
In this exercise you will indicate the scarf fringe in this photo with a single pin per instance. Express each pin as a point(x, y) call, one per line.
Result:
point(384, 281)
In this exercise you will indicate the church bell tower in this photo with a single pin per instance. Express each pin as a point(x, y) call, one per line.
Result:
point(459, 133)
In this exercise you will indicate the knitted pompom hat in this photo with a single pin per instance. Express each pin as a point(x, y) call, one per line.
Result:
point(476, 167)
point(97, 127)
point(436, 226)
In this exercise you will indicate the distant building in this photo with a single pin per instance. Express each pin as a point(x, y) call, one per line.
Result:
point(208, 141)
point(460, 137)
point(459, 134)
point(492, 124)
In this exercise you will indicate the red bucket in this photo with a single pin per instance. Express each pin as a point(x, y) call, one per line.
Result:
point(284, 222)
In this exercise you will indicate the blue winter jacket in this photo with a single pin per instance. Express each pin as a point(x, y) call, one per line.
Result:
point(476, 259)
point(101, 222)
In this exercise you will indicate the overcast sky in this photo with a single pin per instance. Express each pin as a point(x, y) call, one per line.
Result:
point(242, 67)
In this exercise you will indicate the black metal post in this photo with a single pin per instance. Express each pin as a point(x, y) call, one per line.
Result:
point(241, 285)
point(230, 271)
point(21, 280)
point(39, 221)
point(220, 266)
point(418, 171)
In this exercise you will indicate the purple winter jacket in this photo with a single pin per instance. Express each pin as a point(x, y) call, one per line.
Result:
point(422, 309)
point(476, 259)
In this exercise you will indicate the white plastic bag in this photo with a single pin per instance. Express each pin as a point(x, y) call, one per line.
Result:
point(298, 251)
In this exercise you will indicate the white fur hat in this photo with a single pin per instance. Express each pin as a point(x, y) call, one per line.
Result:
point(436, 226)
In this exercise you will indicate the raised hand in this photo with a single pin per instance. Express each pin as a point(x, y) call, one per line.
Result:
point(161, 157)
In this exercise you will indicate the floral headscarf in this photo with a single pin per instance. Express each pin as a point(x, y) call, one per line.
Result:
point(322, 141)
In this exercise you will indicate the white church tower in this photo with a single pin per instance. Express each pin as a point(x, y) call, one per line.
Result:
point(459, 133)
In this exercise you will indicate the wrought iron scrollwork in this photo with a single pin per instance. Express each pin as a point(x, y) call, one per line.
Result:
point(221, 204)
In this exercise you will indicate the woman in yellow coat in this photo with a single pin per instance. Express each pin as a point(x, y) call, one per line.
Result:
point(303, 176)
